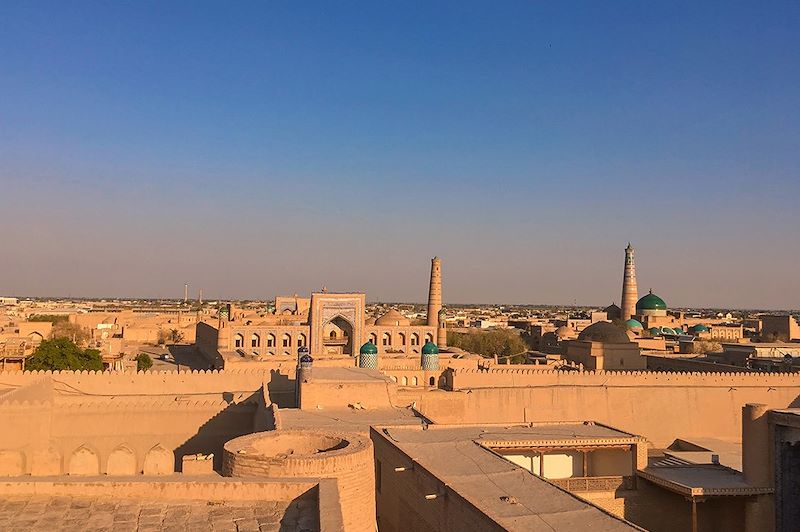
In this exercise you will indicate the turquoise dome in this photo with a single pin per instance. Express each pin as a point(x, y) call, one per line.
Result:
point(650, 302)
point(667, 330)
point(369, 349)
point(430, 348)
point(699, 328)
point(633, 324)
point(655, 331)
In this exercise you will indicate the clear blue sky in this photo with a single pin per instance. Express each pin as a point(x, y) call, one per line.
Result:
point(263, 148)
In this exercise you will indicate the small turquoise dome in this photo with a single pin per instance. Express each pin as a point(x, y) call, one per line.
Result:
point(650, 302)
point(369, 349)
point(633, 324)
point(655, 331)
point(699, 328)
point(667, 330)
point(678, 330)
point(430, 348)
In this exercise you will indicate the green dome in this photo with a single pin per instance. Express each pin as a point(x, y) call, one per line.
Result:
point(667, 330)
point(369, 349)
point(678, 330)
point(430, 348)
point(633, 324)
point(655, 331)
point(699, 328)
point(650, 302)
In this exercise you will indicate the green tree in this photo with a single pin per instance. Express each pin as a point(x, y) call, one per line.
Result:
point(143, 362)
point(61, 354)
point(71, 331)
point(500, 342)
point(52, 318)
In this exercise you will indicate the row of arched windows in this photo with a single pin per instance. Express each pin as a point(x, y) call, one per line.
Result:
point(255, 340)
point(413, 381)
point(387, 340)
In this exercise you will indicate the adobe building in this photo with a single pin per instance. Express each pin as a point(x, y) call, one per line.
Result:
point(780, 328)
point(329, 324)
point(603, 345)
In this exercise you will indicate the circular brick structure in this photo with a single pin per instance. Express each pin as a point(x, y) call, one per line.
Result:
point(311, 454)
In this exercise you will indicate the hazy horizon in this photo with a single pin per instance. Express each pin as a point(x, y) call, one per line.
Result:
point(256, 150)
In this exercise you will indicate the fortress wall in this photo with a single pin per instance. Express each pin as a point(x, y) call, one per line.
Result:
point(41, 438)
point(463, 379)
point(35, 390)
point(659, 363)
point(106, 383)
point(230, 490)
point(658, 406)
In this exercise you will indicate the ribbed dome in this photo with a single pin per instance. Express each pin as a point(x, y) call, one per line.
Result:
point(393, 319)
point(604, 332)
point(369, 349)
point(430, 348)
point(563, 331)
point(650, 302)
point(633, 324)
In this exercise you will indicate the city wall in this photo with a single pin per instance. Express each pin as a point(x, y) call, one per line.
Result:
point(658, 406)
point(147, 383)
point(87, 423)
point(659, 363)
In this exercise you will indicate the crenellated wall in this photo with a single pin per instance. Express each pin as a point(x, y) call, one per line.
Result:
point(89, 423)
point(659, 406)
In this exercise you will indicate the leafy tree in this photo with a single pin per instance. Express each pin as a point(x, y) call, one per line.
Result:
point(701, 347)
point(71, 331)
point(143, 362)
point(172, 336)
point(502, 343)
point(61, 354)
point(52, 318)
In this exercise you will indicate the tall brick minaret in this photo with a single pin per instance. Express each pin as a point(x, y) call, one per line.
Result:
point(630, 294)
point(435, 293)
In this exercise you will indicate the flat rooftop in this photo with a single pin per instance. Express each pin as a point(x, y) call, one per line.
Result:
point(680, 475)
point(346, 419)
point(455, 454)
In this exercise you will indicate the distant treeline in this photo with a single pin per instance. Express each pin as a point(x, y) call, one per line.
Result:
point(52, 318)
point(498, 342)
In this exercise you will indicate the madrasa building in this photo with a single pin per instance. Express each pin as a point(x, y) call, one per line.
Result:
point(329, 325)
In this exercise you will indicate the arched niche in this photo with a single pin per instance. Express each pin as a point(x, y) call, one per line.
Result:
point(121, 462)
point(83, 461)
point(159, 461)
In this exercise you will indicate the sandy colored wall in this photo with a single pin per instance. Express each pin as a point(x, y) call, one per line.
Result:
point(401, 505)
point(57, 422)
point(658, 406)
point(68, 439)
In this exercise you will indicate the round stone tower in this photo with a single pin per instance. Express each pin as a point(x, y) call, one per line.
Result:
point(630, 293)
point(311, 454)
point(368, 356)
point(435, 292)
point(430, 356)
